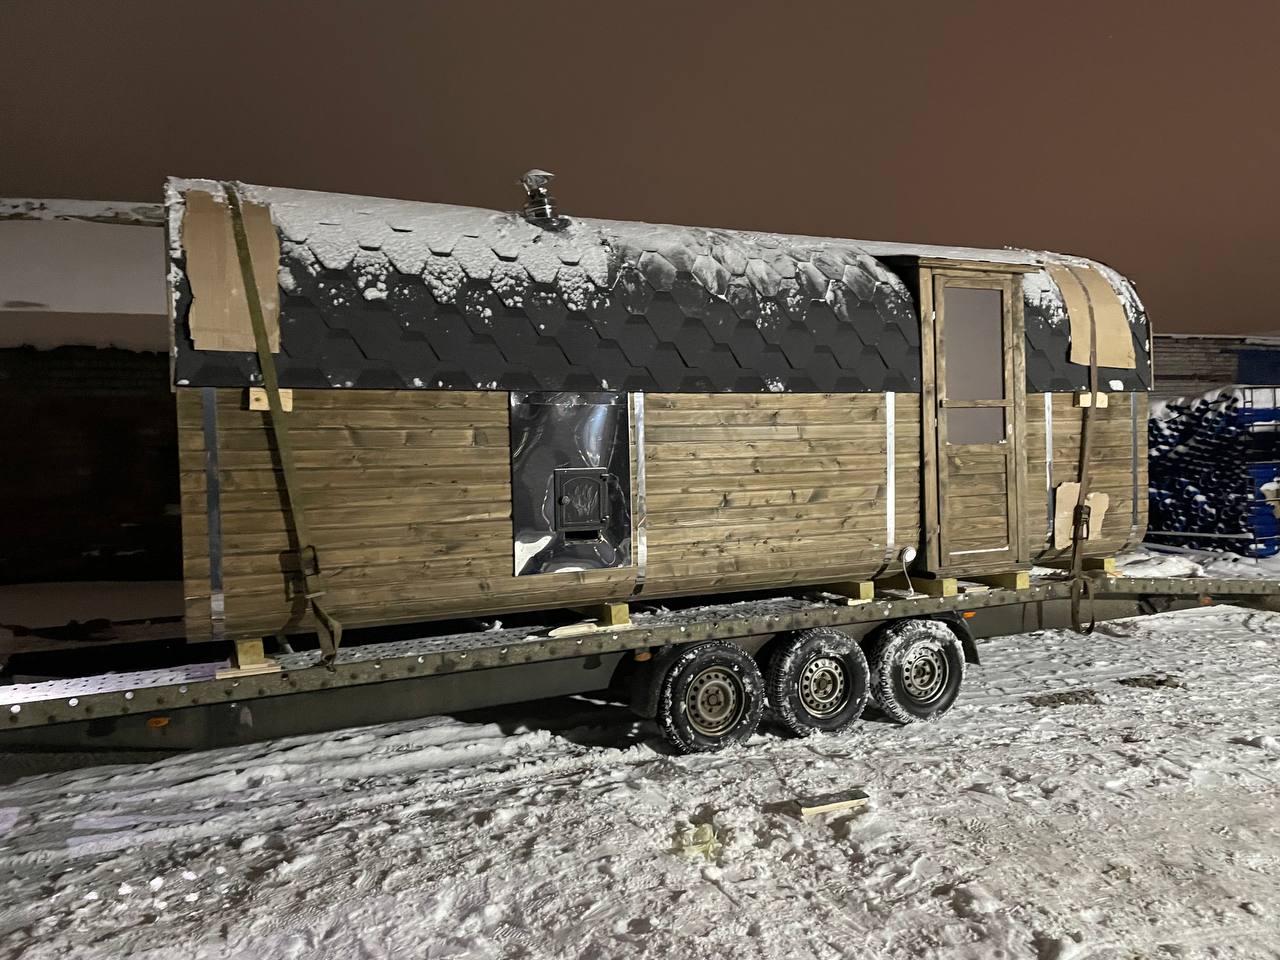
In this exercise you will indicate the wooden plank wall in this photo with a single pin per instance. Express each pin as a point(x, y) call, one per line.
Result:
point(774, 489)
point(409, 499)
point(1190, 365)
point(975, 508)
point(1111, 469)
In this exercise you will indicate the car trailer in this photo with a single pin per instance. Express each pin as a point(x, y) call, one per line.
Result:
point(704, 671)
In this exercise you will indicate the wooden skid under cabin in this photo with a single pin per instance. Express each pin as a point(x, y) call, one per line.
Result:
point(489, 413)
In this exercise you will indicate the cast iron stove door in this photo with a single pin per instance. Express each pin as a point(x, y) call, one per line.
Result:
point(570, 482)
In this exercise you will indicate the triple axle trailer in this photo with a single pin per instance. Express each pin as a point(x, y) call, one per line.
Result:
point(706, 672)
point(762, 468)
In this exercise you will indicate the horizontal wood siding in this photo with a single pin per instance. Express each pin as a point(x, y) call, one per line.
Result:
point(770, 490)
point(975, 507)
point(1111, 469)
point(408, 494)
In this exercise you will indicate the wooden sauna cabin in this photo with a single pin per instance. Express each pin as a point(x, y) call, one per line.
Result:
point(492, 412)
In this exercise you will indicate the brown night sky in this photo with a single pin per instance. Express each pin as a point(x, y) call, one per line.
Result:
point(1143, 134)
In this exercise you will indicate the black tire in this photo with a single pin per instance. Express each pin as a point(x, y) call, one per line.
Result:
point(711, 697)
point(818, 681)
point(917, 667)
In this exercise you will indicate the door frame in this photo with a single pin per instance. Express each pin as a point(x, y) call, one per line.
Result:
point(1006, 278)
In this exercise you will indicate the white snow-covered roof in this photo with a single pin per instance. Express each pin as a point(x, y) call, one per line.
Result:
point(90, 211)
point(337, 227)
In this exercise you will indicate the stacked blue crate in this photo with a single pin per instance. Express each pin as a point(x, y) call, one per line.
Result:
point(1213, 468)
point(1261, 417)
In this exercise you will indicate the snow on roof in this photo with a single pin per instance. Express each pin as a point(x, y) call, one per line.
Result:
point(92, 211)
point(727, 282)
point(338, 227)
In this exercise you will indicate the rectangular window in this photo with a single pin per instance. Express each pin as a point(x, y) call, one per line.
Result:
point(973, 341)
point(975, 425)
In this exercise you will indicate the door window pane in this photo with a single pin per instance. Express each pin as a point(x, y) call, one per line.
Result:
point(975, 425)
point(973, 338)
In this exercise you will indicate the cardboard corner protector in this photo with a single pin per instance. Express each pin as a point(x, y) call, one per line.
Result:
point(1088, 294)
point(1065, 497)
point(218, 318)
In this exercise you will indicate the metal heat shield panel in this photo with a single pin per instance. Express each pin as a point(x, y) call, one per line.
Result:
point(570, 482)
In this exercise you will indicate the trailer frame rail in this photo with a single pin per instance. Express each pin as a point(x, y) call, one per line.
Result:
point(40, 703)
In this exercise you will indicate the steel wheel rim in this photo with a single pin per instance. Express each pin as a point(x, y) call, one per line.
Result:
point(925, 671)
point(713, 702)
point(824, 686)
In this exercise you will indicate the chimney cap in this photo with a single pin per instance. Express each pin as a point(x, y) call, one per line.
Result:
point(539, 204)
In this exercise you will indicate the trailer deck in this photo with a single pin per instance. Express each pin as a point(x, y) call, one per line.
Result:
point(47, 702)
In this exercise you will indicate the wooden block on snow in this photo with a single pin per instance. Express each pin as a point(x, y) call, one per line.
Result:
point(828, 803)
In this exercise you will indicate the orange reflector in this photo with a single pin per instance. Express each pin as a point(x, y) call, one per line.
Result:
point(1206, 601)
point(969, 614)
point(155, 723)
point(643, 655)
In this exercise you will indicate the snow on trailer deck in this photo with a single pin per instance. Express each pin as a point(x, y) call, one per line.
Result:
point(33, 704)
point(1106, 797)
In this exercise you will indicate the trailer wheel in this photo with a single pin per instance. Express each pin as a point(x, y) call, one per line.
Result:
point(917, 667)
point(711, 697)
point(818, 681)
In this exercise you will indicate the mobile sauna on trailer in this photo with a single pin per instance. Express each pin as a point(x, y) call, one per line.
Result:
point(393, 411)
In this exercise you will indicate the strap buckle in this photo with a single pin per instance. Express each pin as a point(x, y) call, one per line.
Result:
point(1080, 521)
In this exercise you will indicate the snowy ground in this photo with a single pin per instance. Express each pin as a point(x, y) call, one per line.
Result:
point(1057, 813)
point(1174, 562)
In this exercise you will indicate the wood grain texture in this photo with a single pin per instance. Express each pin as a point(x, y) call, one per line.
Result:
point(777, 489)
point(408, 497)
point(1111, 470)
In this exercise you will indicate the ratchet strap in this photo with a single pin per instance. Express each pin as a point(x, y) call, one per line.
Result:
point(1082, 586)
point(330, 628)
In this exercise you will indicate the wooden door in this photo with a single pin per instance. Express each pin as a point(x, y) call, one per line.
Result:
point(978, 399)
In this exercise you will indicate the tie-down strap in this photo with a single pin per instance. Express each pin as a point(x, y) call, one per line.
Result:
point(330, 628)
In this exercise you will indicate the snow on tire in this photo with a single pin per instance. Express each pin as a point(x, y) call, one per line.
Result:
point(818, 681)
point(917, 667)
point(711, 697)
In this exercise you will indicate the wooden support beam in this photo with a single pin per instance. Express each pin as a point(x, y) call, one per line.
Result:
point(848, 800)
point(1092, 564)
point(1014, 580)
point(608, 614)
point(248, 659)
point(858, 591)
point(929, 586)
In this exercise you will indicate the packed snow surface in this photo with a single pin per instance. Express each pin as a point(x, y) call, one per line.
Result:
point(1104, 797)
point(1166, 561)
